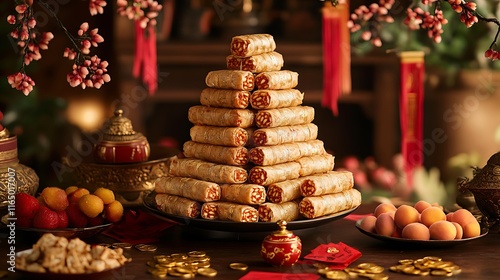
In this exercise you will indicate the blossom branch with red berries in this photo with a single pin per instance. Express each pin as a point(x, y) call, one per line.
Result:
point(87, 71)
point(420, 15)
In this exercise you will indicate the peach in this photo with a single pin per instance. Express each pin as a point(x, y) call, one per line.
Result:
point(383, 208)
point(460, 231)
point(416, 231)
point(406, 214)
point(368, 223)
point(114, 211)
point(91, 205)
point(449, 217)
point(76, 195)
point(442, 230)
point(55, 198)
point(421, 205)
point(463, 217)
point(431, 215)
point(69, 190)
point(384, 225)
point(472, 229)
point(105, 194)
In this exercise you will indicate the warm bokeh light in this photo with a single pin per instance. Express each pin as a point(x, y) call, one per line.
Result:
point(88, 115)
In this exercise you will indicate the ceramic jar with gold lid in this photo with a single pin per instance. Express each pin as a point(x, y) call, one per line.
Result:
point(14, 176)
point(282, 247)
point(120, 143)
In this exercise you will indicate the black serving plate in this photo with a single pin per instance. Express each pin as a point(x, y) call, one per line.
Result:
point(418, 243)
point(229, 226)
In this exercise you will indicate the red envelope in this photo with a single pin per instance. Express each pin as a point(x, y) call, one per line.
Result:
point(260, 275)
point(337, 256)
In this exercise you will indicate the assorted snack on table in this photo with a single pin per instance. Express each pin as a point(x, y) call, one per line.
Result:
point(254, 153)
point(60, 255)
point(422, 221)
point(72, 207)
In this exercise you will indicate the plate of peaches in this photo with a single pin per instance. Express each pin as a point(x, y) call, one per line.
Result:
point(421, 224)
point(71, 212)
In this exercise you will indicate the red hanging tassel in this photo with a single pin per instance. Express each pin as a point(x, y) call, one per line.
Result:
point(145, 58)
point(411, 111)
point(336, 54)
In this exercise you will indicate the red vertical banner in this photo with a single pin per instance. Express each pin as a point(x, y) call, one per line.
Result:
point(336, 54)
point(411, 110)
point(145, 57)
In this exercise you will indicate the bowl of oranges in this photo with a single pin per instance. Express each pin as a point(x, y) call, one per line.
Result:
point(70, 212)
point(420, 224)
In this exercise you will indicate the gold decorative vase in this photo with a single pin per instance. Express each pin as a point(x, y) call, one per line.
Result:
point(14, 176)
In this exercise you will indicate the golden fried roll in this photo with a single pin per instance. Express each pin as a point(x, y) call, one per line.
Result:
point(283, 79)
point(327, 183)
point(243, 193)
point(266, 175)
point(252, 44)
point(270, 155)
point(284, 116)
point(230, 79)
point(225, 98)
point(271, 61)
point(285, 134)
point(207, 171)
point(215, 153)
point(317, 206)
point(316, 164)
point(194, 189)
point(217, 135)
point(229, 211)
point(204, 115)
point(177, 205)
point(273, 212)
point(272, 99)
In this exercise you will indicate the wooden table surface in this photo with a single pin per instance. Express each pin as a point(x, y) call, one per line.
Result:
point(479, 259)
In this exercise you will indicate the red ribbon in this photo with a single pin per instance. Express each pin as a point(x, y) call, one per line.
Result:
point(336, 55)
point(411, 110)
point(145, 59)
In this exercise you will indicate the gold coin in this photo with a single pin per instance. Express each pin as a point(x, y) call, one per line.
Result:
point(123, 245)
point(196, 254)
point(336, 274)
point(405, 261)
point(238, 266)
point(158, 273)
point(179, 256)
point(380, 276)
point(184, 270)
point(375, 269)
point(203, 264)
point(151, 263)
point(146, 248)
point(322, 271)
point(432, 258)
point(205, 271)
point(438, 272)
point(181, 275)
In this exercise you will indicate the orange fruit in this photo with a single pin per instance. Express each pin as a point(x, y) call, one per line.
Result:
point(91, 205)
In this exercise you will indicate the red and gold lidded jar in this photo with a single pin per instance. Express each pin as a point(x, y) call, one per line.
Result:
point(282, 247)
point(120, 143)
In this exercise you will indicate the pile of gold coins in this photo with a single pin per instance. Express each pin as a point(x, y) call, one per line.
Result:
point(366, 270)
point(430, 265)
point(183, 265)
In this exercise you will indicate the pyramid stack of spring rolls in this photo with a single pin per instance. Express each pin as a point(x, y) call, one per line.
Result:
point(254, 153)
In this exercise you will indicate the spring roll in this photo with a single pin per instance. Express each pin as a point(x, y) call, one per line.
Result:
point(271, 61)
point(253, 44)
point(284, 191)
point(230, 79)
point(223, 136)
point(317, 206)
point(243, 193)
point(215, 153)
point(272, 99)
point(225, 98)
point(316, 164)
point(178, 206)
point(229, 211)
point(204, 115)
point(207, 171)
point(273, 212)
point(285, 134)
point(283, 79)
point(194, 189)
point(327, 183)
point(266, 175)
point(270, 155)
point(284, 116)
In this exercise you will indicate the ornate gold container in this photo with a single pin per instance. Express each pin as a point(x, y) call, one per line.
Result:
point(14, 176)
point(282, 247)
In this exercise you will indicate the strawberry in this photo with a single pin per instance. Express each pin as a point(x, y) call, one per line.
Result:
point(63, 219)
point(75, 216)
point(26, 205)
point(45, 218)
